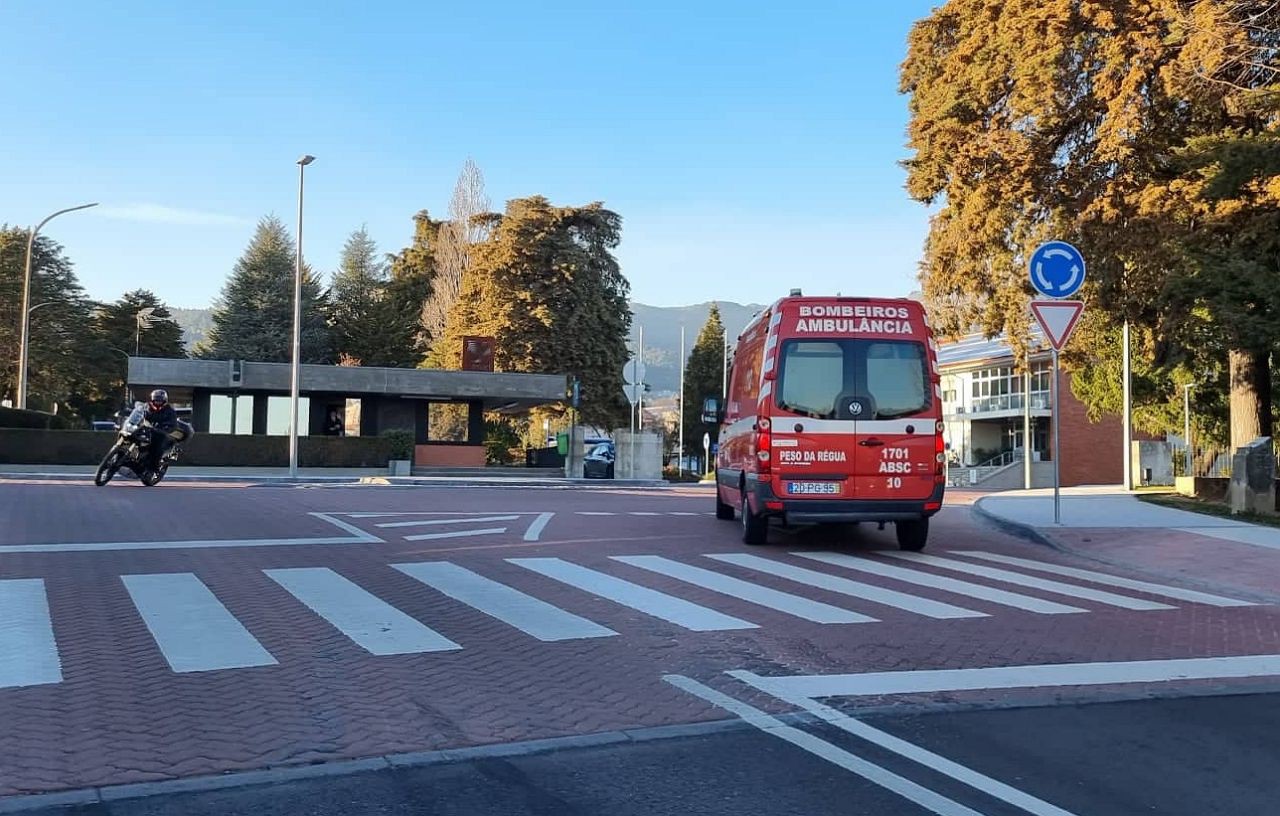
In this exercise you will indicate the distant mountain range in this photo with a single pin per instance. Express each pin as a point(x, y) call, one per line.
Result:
point(661, 333)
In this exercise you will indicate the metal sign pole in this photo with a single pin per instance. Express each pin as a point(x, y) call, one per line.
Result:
point(1057, 445)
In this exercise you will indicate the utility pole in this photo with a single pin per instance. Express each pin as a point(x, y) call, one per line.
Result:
point(1186, 430)
point(295, 386)
point(680, 414)
point(1127, 419)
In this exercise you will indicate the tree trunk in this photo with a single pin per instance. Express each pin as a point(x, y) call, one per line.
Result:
point(1250, 396)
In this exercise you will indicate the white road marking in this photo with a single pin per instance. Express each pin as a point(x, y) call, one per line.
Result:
point(996, 596)
point(28, 651)
point(456, 534)
point(1056, 587)
point(511, 606)
point(643, 513)
point(927, 758)
point(357, 536)
point(744, 590)
point(1008, 677)
point(649, 601)
point(922, 796)
point(856, 589)
point(373, 624)
point(538, 525)
point(1105, 578)
point(462, 520)
point(194, 631)
point(683, 513)
point(596, 513)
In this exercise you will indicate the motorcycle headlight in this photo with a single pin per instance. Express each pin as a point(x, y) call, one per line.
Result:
point(130, 428)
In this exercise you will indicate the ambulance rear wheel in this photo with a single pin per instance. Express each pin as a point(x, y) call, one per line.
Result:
point(724, 512)
point(912, 535)
point(755, 529)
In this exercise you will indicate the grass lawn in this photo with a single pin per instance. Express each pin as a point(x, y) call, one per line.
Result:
point(1207, 508)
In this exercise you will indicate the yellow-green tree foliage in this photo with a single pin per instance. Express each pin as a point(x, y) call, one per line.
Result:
point(546, 286)
point(1143, 132)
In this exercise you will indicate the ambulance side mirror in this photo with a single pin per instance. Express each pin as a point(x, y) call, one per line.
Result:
point(711, 411)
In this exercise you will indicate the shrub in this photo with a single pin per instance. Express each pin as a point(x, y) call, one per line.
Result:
point(400, 442)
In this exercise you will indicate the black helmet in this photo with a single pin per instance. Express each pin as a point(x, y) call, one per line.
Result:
point(159, 398)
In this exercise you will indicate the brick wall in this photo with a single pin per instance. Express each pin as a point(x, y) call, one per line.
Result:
point(1091, 453)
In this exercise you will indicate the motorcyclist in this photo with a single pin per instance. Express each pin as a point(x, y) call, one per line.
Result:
point(163, 420)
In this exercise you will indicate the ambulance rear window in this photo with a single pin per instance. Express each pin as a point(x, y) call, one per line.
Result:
point(816, 375)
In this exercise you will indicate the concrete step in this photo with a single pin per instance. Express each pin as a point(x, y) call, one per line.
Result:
point(527, 472)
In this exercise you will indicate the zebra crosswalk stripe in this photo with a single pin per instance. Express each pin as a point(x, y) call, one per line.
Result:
point(921, 578)
point(649, 601)
point(815, 611)
point(1111, 580)
point(370, 622)
point(844, 586)
point(511, 606)
point(28, 651)
point(192, 628)
point(1056, 587)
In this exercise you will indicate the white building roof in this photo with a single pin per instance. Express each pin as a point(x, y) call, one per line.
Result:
point(977, 348)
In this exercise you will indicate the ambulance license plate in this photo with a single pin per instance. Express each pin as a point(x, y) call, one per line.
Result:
point(813, 488)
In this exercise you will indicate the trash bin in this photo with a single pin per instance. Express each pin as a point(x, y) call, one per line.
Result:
point(562, 444)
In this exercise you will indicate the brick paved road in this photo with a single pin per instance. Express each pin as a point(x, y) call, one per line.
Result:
point(134, 649)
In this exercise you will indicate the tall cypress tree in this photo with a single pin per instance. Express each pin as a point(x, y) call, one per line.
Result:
point(703, 378)
point(253, 320)
point(412, 271)
point(356, 303)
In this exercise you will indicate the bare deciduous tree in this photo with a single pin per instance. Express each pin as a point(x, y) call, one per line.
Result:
point(463, 231)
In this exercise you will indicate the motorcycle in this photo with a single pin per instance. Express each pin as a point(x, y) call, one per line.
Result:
point(132, 450)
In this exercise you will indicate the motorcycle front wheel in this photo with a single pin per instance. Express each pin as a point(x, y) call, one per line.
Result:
point(110, 464)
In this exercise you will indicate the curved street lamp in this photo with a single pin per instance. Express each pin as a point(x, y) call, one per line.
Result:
point(26, 303)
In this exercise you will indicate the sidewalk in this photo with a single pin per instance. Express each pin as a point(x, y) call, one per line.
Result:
point(1111, 507)
point(336, 476)
point(1110, 526)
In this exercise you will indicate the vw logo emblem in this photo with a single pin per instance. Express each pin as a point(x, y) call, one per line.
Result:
point(855, 407)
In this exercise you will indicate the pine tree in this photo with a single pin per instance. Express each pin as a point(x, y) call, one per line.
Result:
point(138, 324)
point(547, 287)
point(356, 303)
point(253, 319)
point(703, 379)
point(60, 351)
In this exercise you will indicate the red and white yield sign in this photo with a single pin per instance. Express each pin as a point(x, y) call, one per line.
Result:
point(1058, 319)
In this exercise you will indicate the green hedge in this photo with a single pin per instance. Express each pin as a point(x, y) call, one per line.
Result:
point(16, 418)
point(54, 447)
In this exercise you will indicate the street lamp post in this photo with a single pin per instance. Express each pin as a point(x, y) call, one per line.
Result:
point(1186, 429)
point(296, 378)
point(25, 336)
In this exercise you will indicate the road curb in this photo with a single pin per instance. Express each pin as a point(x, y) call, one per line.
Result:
point(1015, 528)
point(360, 481)
point(345, 767)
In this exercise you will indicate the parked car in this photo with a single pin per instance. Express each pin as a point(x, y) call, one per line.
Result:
point(599, 462)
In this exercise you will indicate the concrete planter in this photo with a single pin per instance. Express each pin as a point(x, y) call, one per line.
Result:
point(400, 467)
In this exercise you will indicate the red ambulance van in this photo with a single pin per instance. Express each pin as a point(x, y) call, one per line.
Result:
point(834, 414)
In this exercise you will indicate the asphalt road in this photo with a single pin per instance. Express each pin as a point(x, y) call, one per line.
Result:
point(1183, 757)
point(169, 637)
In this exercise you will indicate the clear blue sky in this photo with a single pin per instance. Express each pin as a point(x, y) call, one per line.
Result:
point(749, 147)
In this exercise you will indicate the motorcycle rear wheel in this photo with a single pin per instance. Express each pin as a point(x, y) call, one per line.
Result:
point(151, 478)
